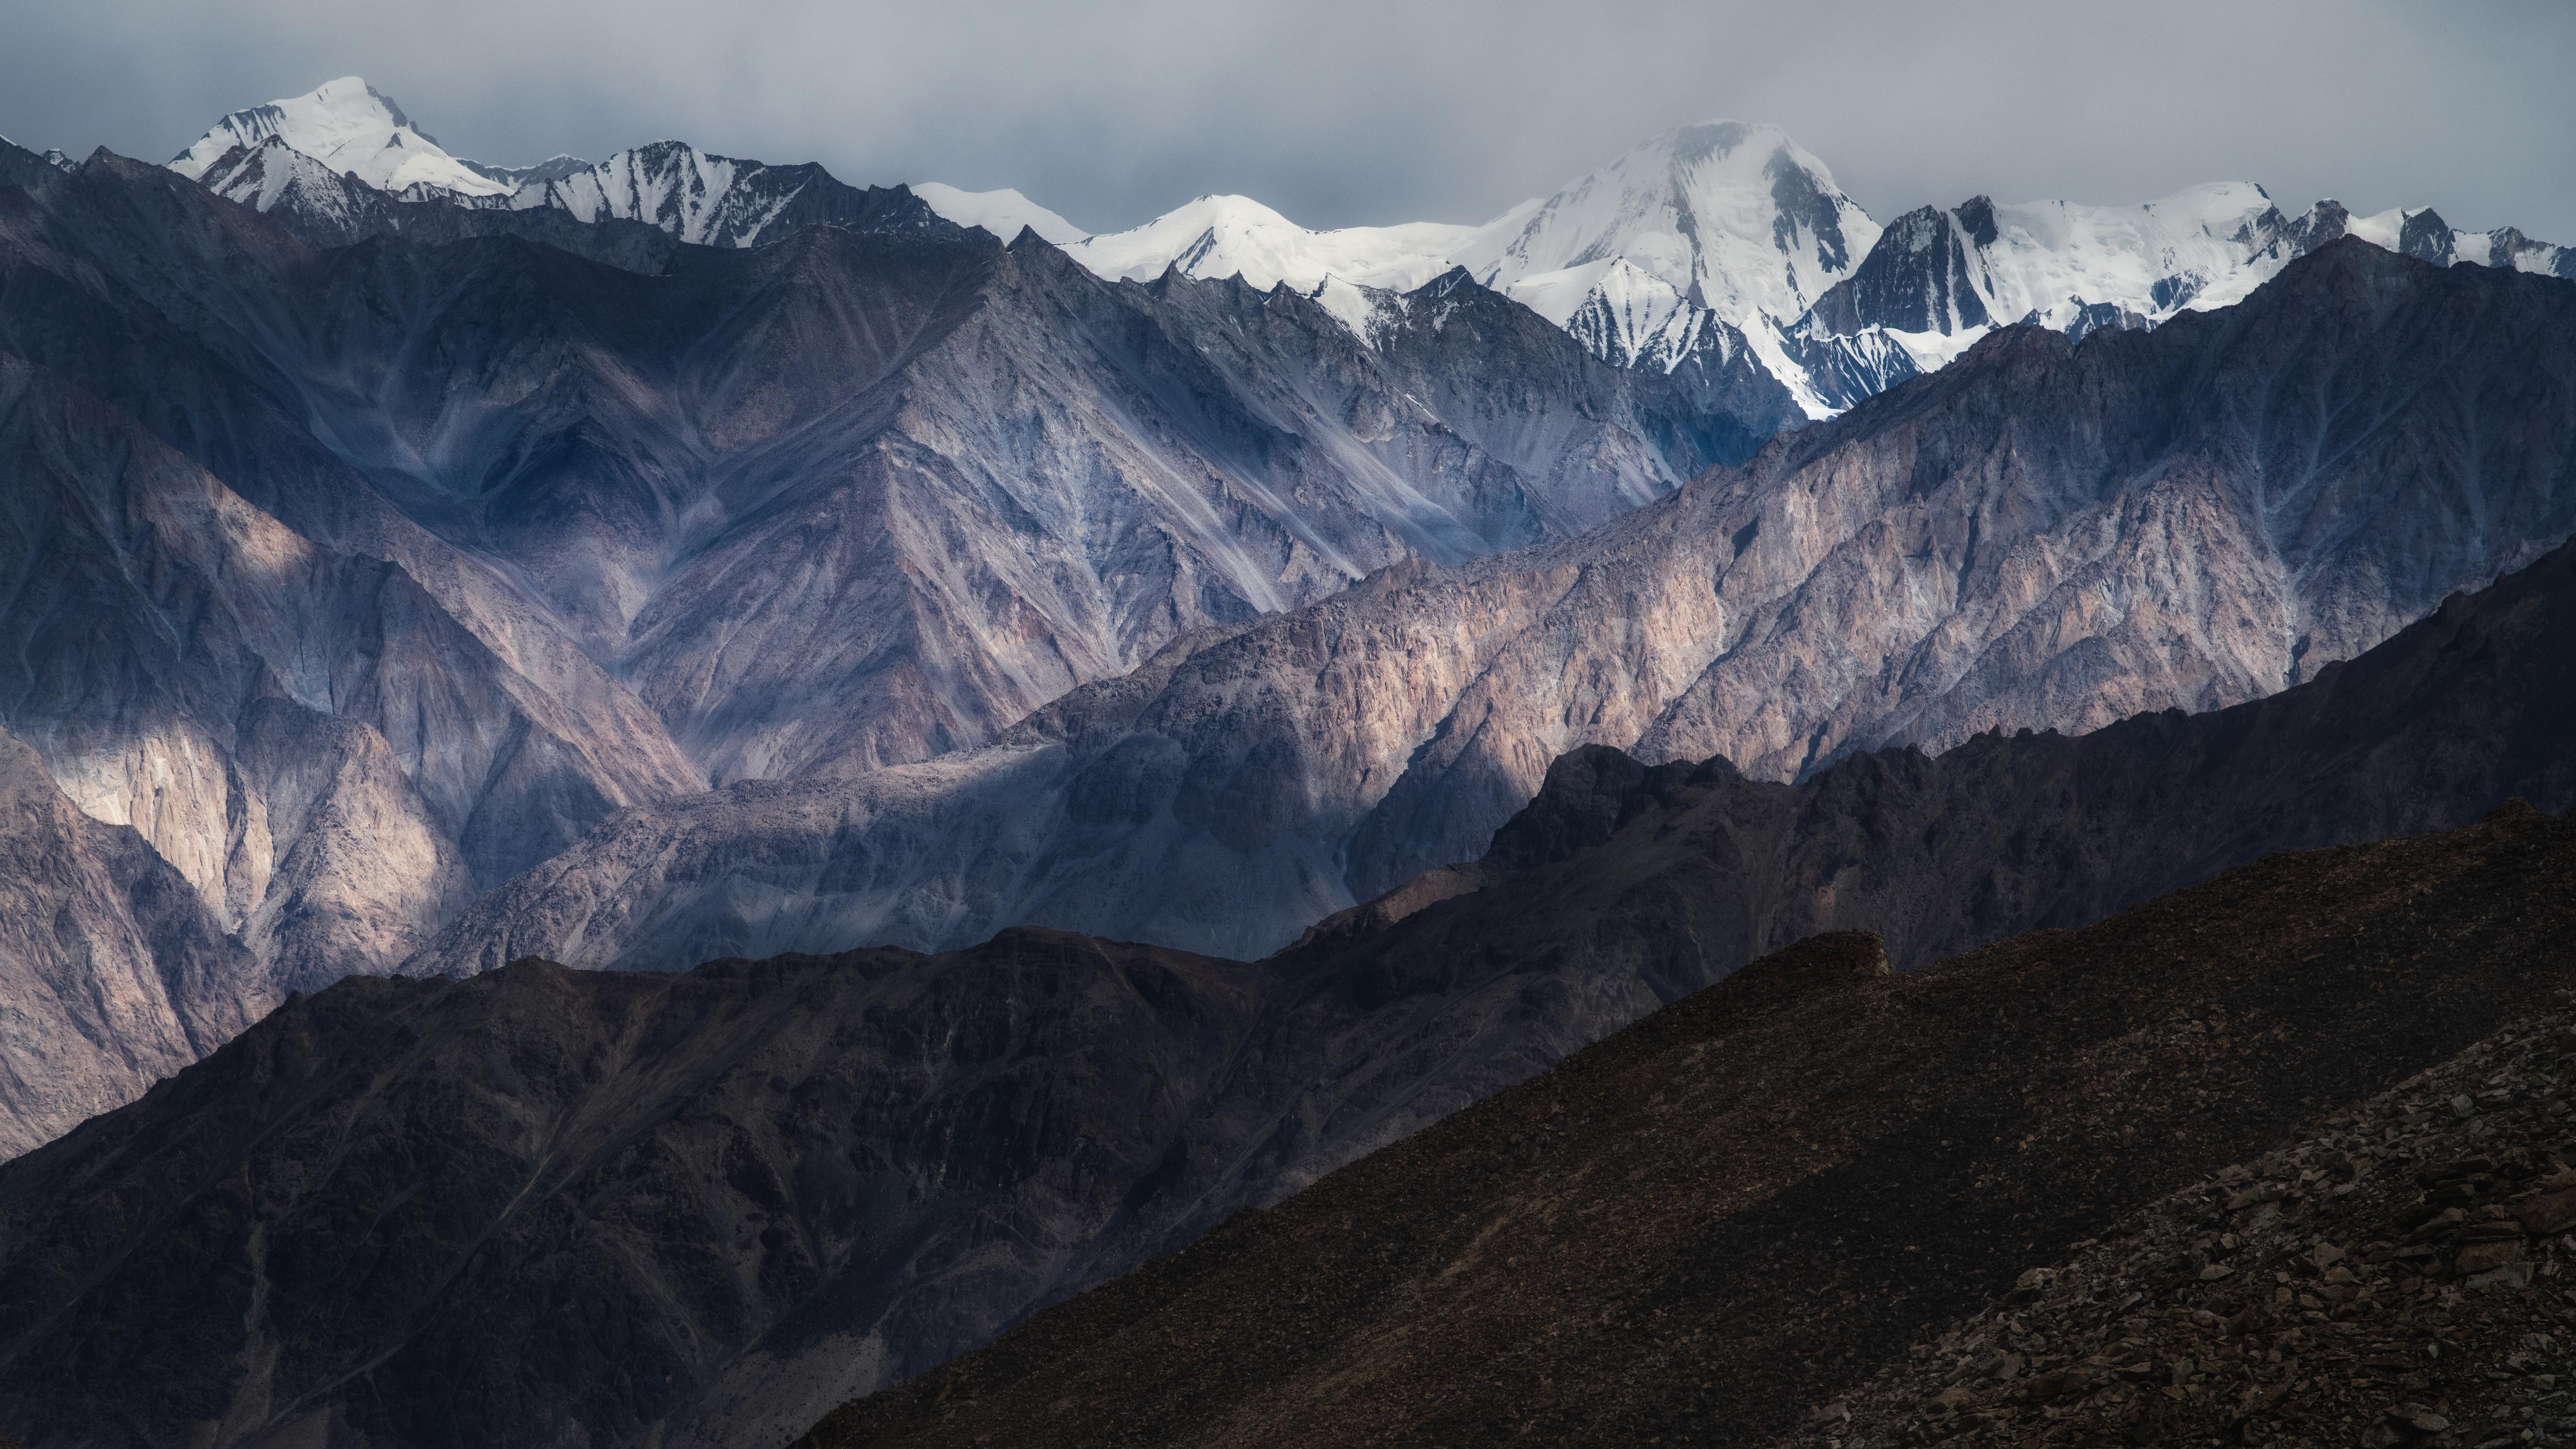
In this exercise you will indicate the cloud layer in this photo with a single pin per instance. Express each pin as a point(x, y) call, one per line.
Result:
point(1346, 111)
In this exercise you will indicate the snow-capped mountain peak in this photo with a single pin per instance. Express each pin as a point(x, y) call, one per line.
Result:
point(685, 191)
point(1711, 249)
point(1236, 236)
point(1737, 217)
point(348, 126)
point(1003, 213)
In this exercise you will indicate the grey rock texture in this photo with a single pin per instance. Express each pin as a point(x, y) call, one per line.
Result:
point(327, 755)
point(542, 1206)
point(853, 500)
point(2045, 535)
point(946, 480)
point(361, 578)
point(102, 942)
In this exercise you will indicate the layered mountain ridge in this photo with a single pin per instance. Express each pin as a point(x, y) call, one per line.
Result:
point(540, 1205)
point(2045, 535)
point(1709, 1227)
point(1439, 646)
point(513, 534)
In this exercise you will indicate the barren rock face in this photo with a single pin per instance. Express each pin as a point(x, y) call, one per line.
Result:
point(328, 757)
point(2416, 1237)
point(851, 500)
point(101, 942)
point(2044, 536)
point(859, 496)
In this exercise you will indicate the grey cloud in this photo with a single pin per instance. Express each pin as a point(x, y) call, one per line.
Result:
point(1341, 111)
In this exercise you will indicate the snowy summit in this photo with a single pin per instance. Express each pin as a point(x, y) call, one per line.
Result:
point(349, 126)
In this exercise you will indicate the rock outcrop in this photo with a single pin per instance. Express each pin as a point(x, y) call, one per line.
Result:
point(101, 942)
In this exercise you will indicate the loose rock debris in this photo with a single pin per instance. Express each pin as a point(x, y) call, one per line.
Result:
point(2405, 1277)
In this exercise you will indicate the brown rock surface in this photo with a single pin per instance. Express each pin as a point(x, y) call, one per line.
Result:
point(2397, 1275)
point(548, 1207)
point(1747, 1204)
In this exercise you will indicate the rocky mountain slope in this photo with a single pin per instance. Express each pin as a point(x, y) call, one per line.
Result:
point(1741, 1207)
point(1169, 456)
point(326, 753)
point(550, 1207)
point(2400, 1276)
point(771, 1186)
point(360, 578)
point(99, 940)
point(2045, 536)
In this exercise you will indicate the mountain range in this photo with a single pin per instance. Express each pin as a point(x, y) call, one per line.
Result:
point(646, 796)
point(988, 590)
point(534, 536)
point(541, 1206)
point(2043, 535)
point(1700, 250)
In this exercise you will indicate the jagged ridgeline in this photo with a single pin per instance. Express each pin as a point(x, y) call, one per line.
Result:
point(1723, 253)
point(2043, 535)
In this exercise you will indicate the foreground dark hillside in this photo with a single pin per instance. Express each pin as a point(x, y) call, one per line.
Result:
point(551, 1207)
point(1707, 1225)
point(2401, 1276)
point(539, 1206)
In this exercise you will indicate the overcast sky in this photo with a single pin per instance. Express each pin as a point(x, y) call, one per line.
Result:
point(1347, 111)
